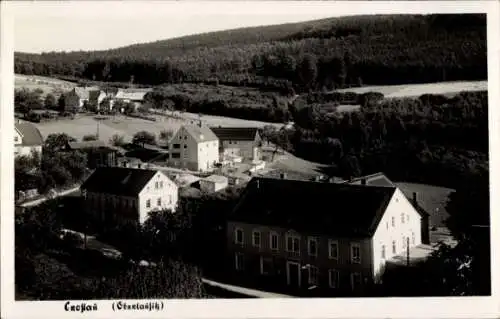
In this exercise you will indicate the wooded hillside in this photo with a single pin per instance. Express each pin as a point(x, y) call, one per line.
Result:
point(322, 54)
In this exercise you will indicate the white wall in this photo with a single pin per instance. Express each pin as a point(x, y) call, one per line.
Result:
point(241, 148)
point(169, 195)
point(188, 150)
point(208, 155)
point(386, 233)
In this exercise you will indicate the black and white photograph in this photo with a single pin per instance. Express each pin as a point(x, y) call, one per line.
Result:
point(270, 150)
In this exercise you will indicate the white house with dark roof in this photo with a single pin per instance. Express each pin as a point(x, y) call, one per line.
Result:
point(116, 195)
point(239, 141)
point(135, 96)
point(330, 236)
point(27, 139)
point(194, 147)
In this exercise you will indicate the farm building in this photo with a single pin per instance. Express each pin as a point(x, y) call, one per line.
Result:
point(213, 183)
point(242, 142)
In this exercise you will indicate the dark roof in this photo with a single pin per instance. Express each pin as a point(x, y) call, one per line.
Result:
point(313, 207)
point(86, 144)
point(30, 134)
point(118, 180)
point(235, 133)
point(377, 179)
point(200, 133)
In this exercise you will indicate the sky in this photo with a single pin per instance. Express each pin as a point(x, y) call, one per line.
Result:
point(97, 25)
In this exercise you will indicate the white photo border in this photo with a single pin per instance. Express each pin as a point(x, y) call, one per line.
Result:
point(449, 307)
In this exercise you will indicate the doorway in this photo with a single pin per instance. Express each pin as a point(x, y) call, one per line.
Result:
point(293, 274)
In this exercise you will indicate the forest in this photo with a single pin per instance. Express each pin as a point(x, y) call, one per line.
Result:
point(322, 54)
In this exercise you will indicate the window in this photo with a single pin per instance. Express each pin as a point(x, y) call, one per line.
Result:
point(148, 203)
point(387, 225)
point(161, 184)
point(177, 145)
point(185, 146)
point(393, 247)
point(412, 238)
point(383, 252)
point(16, 139)
point(239, 263)
point(333, 249)
point(158, 202)
point(266, 265)
point(355, 254)
point(157, 185)
point(238, 236)
point(176, 155)
point(170, 199)
point(355, 280)
point(402, 218)
point(393, 221)
point(333, 278)
point(403, 244)
point(313, 275)
point(312, 246)
point(273, 241)
point(256, 239)
point(407, 217)
point(293, 244)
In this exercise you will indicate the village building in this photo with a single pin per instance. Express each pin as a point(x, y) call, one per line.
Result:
point(119, 195)
point(77, 98)
point(96, 98)
point(244, 142)
point(314, 235)
point(134, 96)
point(27, 139)
point(213, 183)
point(99, 154)
point(194, 147)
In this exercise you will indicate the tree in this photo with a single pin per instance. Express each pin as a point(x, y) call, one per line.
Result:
point(144, 137)
point(90, 137)
point(308, 70)
point(61, 103)
point(50, 102)
point(57, 141)
point(117, 140)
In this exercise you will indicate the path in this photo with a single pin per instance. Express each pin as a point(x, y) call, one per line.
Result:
point(46, 197)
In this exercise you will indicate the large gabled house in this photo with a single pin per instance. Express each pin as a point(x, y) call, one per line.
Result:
point(194, 147)
point(75, 99)
point(316, 235)
point(27, 139)
point(118, 195)
point(134, 96)
point(244, 142)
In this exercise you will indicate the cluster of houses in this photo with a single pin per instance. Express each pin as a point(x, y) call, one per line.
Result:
point(103, 100)
point(333, 235)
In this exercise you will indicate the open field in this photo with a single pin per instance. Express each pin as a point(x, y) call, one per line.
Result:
point(46, 84)
point(86, 124)
point(414, 90)
point(432, 198)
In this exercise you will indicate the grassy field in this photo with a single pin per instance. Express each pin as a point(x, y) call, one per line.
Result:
point(432, 198)
point(415, 90)
point(85, 124)
point(46, 84)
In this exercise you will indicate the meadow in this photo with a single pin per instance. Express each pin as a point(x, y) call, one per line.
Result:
point(46, 84)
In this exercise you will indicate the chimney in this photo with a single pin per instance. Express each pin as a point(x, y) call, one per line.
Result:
point(415, 198)
point(363, 181)
point(283, 175)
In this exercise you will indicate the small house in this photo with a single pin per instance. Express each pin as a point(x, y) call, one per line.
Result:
point(213, 183)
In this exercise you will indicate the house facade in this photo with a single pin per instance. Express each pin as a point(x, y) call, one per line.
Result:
point(328, 237)
point(75, 99)
point(134, 96)
point(27, 139)
point(118, 195)
point(194, 147)
point(239, 141)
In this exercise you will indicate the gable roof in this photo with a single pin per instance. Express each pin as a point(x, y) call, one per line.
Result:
point(200, 133)
point(377, 179)
point(235, 133)
point(132, 94)
point(122, 181)
point(31, 136)
point(315, 207)
point(216, 179)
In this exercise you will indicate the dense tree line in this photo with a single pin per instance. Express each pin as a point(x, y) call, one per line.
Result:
point(327, 53)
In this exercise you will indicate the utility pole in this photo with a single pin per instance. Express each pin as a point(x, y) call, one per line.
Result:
point(97, 134)
point(408, 251)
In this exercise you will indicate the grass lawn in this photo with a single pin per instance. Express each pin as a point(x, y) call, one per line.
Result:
point(414, 90)
point(46, 84)
point(432, 198)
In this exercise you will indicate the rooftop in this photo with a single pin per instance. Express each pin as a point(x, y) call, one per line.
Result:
point(121, 181)
point(235, 133)
point(314, 207)
point(201, 133)
point(216, 179)
point(30, 134)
